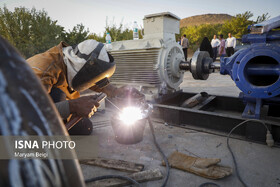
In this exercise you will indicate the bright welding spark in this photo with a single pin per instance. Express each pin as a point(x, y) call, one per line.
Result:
point(130, 115)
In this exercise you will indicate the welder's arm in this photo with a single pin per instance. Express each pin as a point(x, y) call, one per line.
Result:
point(110, 90)
point(63, 109)
point(82, 107)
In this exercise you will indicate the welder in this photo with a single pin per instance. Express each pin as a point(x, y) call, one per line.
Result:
point(65, 71)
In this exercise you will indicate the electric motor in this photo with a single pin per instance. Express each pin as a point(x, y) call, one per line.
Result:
point(152, 63)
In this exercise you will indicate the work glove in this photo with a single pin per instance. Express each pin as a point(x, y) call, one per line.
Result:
point(204, 167)
point(84, 106)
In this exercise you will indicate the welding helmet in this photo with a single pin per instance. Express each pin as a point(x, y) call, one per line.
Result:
point(88, 64)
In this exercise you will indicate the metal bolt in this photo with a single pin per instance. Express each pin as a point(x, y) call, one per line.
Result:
point(249, 112)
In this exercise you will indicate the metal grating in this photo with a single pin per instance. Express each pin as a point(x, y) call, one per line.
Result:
point(136, 67)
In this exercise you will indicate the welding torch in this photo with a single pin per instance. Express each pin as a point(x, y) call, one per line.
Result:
point(73, 121)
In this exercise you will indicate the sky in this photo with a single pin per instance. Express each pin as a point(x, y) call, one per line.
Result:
point(94, 13)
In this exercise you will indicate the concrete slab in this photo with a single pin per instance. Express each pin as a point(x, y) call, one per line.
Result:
point(216, 84)
point(258, 164)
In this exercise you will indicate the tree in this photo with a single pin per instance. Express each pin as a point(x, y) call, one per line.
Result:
point(116, 33)
point(33, 31)
point(96, 37)
point(119, 33)
point(30, 31)
point(76, 35)
point(195, 34)
point(262, 18)
point(238, 26)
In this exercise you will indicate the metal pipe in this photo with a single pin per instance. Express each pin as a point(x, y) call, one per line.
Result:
point(215, 65)
point(185, 65)
point(263, 70)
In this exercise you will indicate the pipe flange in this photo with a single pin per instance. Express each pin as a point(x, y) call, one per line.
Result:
point(197, 65)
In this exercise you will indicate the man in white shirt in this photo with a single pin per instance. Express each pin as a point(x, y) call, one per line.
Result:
point(230, 45)
point(215, 44)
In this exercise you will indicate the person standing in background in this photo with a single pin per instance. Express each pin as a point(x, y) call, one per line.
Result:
point(215, 44)
point(230, 45)
point(206, 46)
point(179, 41)
point(222, 51)
point(185, 46)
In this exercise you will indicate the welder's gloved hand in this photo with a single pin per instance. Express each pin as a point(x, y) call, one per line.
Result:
point(204, 167)
point(128, 91)
point(84, 106)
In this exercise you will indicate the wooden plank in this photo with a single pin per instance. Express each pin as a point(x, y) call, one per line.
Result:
point(114, 164)
point(143, 176)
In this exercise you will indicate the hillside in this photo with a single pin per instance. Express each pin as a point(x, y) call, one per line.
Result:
point(204, 19)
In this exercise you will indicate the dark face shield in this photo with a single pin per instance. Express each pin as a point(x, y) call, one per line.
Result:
point(94, 72)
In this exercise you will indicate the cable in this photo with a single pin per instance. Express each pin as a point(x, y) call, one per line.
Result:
point(111, 177)
point(269, 142)
point(130, 179)
point(161, 152)
point(231, 152)
point(208, 183)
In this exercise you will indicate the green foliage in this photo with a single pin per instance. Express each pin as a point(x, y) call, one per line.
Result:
point(76, 35)
point(237, 26)
point(262, 18)
point(96, 37)
point(30, 31)
point(195, 34)
point(126, 34)
point(119, 33)
point(114, 31)
point(33, 32)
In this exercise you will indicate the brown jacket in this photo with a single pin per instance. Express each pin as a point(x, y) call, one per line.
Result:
point(51, 70)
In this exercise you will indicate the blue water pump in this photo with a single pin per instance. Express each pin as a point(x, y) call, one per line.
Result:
point(255, 69)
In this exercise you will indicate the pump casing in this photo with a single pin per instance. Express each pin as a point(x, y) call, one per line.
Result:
point(256, 69)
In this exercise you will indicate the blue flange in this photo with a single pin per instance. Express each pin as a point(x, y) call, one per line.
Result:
point(241, 70)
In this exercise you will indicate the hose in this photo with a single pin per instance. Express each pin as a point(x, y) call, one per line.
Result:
point(167, 164)
point(231, 152)
point(112, 177)
point(208, 183)
point(130, 179)
point(161, 152)
point(269, 143)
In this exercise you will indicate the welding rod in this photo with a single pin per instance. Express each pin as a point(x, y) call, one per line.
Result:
point(76, 119)
point(113, 104)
